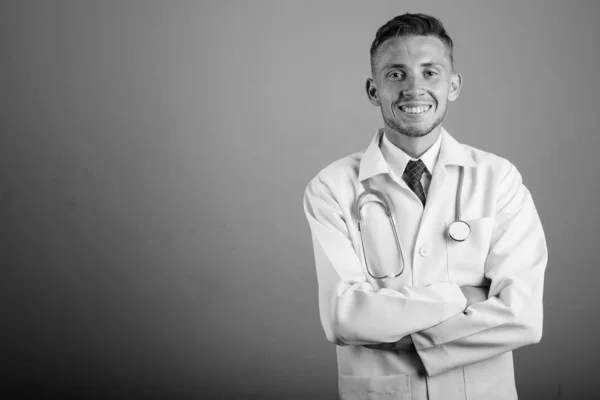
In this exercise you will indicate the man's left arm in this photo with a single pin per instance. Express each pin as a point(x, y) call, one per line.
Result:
point(511, 317)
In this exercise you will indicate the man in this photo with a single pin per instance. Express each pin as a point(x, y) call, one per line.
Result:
point(424, 316)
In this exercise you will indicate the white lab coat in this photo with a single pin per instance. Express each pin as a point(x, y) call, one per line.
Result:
point(457, 352)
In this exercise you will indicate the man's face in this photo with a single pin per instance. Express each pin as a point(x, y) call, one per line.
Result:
point(412, 82)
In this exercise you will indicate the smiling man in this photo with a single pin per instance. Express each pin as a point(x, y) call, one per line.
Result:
point(430, 254)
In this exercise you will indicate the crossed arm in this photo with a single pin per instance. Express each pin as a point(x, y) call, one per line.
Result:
point(449, 326)
point(473, 294)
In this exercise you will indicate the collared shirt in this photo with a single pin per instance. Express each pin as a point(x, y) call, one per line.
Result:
point(465, 351)
point(397, 159)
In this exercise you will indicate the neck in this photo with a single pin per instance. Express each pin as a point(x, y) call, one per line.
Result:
point(413, 146)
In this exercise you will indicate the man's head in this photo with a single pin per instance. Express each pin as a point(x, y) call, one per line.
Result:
point(412, 74)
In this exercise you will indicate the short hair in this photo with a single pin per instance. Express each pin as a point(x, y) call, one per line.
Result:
point(412, 25)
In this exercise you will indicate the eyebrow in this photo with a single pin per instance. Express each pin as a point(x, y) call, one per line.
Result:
point(427, 64)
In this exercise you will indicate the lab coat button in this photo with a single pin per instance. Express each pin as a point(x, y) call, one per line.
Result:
point(424, 251)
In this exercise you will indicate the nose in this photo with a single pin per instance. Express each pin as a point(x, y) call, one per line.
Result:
point(413, 87)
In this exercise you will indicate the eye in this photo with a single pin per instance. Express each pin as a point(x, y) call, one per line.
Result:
point(395, 75)
point(430, 73)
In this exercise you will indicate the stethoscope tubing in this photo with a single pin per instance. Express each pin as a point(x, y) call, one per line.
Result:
point(386, 205)
point(381, 197)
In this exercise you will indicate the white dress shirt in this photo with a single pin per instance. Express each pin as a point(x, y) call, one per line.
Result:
point(397, 159)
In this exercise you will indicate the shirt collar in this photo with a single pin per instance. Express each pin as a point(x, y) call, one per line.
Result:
point(397, 159)
point(450, 153)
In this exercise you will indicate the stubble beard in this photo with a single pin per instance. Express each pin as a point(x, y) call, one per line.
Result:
point(413, 131)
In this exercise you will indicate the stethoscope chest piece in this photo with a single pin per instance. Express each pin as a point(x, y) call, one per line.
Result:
point(459, 230)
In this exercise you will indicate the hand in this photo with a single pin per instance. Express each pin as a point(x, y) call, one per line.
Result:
point(475, 294)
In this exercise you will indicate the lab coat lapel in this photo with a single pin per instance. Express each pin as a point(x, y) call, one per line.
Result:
point(441, 190)
point(438, 190)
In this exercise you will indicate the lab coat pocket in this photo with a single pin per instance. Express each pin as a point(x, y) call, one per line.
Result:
point(466, 259)
point(392, 387)
point(491, 379)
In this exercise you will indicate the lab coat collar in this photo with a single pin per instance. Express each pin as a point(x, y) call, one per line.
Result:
point(373, 163)
point(453, 153)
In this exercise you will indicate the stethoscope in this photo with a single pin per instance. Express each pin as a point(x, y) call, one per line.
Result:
point(458, 230)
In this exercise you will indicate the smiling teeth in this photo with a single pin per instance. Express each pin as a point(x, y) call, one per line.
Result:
point(415, 110)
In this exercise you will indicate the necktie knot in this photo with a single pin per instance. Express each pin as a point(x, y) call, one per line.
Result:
point(414, 170)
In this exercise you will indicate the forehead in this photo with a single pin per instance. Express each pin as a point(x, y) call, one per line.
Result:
point(411, 50)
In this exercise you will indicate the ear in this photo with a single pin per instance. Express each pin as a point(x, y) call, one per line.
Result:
point(455, 85)
point(372, 92)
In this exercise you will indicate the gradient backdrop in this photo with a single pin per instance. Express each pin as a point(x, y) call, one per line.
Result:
point(153, 158)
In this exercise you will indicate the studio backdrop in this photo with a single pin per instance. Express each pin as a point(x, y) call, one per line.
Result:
point(153, 160)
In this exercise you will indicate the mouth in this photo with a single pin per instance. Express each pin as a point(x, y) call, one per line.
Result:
point(415, 109)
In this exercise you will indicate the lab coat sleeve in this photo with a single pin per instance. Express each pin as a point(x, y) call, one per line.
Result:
point(352, 312)
point(511, 317)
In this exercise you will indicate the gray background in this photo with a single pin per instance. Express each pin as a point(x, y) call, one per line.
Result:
point(153, 158)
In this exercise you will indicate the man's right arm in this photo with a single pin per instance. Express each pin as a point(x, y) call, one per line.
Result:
point(473, 294)
point(352, 311)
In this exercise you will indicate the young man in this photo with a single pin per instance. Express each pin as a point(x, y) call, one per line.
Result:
point(417, 310)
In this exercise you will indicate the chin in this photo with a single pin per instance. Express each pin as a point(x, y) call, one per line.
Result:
point(415, 130)
point(418, 129)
